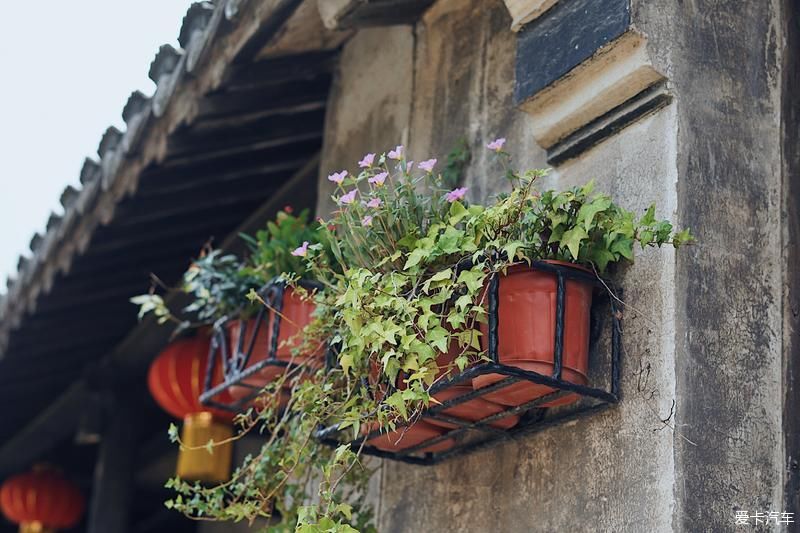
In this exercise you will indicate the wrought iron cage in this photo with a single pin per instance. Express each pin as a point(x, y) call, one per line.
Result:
point(469, 436)
point(238, 362)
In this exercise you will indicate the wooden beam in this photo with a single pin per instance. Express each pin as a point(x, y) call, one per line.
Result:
point(288, 106)
point(223, 204)
point(191, 140)
point(34, 349)
point(274, 71)
point(244, 148)
point(234, 166)
point(292, 192)
point(232, 104)
point(113, 475)
point(344, 14)
point(276, 171)
point(279, 15)
point(48, 428)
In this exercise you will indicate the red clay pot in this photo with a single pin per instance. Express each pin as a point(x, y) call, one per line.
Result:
point(526, 333)
point(406, 437)
point(296, 315)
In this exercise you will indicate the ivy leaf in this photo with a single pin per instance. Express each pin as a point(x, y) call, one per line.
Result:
point(588, 211)
point(511, 249)
point(472, 279)
point(438, 337)
point(623, 247)
point(457, 212)
point(649, 217)
point(572, 240)
point(415, 257)
point(442, 275)
point(345, 509)
point(682, 237)
point(396, 401)
point(601, 257)
point(346, 361)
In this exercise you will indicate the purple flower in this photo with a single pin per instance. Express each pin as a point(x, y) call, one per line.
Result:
point(456, 194)
point(374, 203)
point(428, 165)
point(338, 177)
point(348, 198)
point(496, 144)
point(378, 179)
point(409, 166)
point(302, 251)
point(367, 220)
point(367, 161)
point(397, 153)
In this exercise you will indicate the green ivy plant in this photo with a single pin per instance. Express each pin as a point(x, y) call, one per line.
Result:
point(218, 284)
point(404, 260)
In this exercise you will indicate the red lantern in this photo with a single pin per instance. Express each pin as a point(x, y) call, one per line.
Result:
point(41, 500)
point(176, 380)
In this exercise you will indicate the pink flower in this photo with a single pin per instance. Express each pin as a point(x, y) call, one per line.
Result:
point(456, 194)
point(367, 161)
point(302, 251)
point(366, 221)
point(409, 166)
point(397, 153)
point(348, 198)
point(496, 144)
point(378, 179)
point(374, 203)
point(338, 177)
point(428, 165)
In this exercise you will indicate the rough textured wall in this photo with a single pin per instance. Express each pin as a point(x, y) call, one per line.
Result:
point(791, 183)
point(704, 328)
point(371, 99)
point(726, 61)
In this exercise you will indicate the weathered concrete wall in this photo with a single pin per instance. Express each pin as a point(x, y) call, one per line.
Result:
point(791, 182)
point(727, 77)
point(703, 327)
point(371, 100)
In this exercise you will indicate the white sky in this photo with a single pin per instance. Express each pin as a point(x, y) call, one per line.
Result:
point(66, 71)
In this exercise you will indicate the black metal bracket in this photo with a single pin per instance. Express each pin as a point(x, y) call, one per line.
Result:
point(235, 363)
point(474, 436)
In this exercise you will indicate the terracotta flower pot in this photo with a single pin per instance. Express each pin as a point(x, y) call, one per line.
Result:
point(296, 315)
point(407, 437)
point(526, 333)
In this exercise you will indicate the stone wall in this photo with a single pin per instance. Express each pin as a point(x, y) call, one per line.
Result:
point(703, 328)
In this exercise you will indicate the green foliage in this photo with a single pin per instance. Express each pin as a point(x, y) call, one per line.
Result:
point(588, 229)
point(271, 249)
point(404, 261)
point(220, 285)
point(217, 283)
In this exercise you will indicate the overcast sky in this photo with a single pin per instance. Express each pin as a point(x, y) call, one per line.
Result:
point(67, 69)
